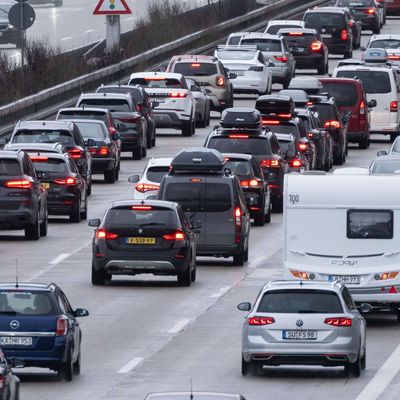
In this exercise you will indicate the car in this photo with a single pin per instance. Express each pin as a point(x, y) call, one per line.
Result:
point(394, 148)
point(40, 328)
point(23, 200)
point(381, 84)
point(40, 147)
point(296, 160)
point(10, 383)
point(303, 323)
point(333, 24)
point(210, 74)
point(310, 84)
point(383, 41)
point(254, 185)
point(130, 124)
point(300, 97)
point(147, 186)
point(203, 104)
point(393, 7)
point(274, 49)
point(194, 395)
point(252, 70)
point(66, 188)
point(176, 106)
point(350, 96)
point(65, 132)
point(365, 11)
point(349, 61)
point(8, 33)
point(275, 25)
point(142, 103)
point(104, 148)
point(308, 49)
point(393, 57)
point(385, 164)
point(213, 202)
point(139, 237)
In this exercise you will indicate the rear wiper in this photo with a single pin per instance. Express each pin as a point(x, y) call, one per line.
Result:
point(151, 223)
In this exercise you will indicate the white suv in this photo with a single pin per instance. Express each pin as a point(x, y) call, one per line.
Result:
point(174, 105)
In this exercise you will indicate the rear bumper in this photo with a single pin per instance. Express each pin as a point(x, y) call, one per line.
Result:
point(355, 137)
point(249, 85)
point(339, 47)
point(16, 220)
point(100, 165)
point(369, 22)
point(61, 203)
point(171, 119)
point(130, 141)
point(219, 251)
point(308, 61)
point(280, 74)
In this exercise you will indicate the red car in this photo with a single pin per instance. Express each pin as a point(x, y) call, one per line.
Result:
point(393, 7)
point(350, 96)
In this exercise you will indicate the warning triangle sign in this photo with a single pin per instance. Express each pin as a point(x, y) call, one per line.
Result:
point(112, 7)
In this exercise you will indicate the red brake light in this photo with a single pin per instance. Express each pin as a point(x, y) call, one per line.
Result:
point(351, 23)
point(196, 65)
point(39, 158)
point(103, 234)
point(362, 107)
point(295, 163)
point(178, 95)
point(393, 290)
point(302, 146)
point(282, 59)
point(316, 46)
point(238, 218)
point(310, 103)
point(142, 208)
point(270, 122)
point(69, 181)
point(269, 163)
point(339, 321)
point(393, 57)
point(146, 187)
point(19, 184)
point(220, 81)
point(344, 35)
point(250, 183)
point(112, 130)
point(178, 235)
point(333, 124)
point(238, 136)
point(75, 153)
point(394, 106)
point(154, 78)
point(261, 320)
point(296, 33)
point(62, 326)
point(370, 11)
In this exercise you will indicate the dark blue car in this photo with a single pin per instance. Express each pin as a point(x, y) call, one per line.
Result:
point(39, 328)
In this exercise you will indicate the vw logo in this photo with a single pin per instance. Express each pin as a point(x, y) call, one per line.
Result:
point(299, 323)
point(140, 231)
point(14, 324)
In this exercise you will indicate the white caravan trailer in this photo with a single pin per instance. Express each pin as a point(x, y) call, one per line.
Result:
point(345, 226)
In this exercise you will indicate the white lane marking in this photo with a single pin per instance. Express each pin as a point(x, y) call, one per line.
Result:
point(66, 38)
point(59, 259)
point(221, 292)
point(89, 31)
point(76, 9)
point(257, 260)
point(130, 365)
point(382, 378)
point(179, 326)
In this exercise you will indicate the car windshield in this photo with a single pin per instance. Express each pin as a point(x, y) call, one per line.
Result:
point(263, 44)
point(373, 81)
point(385, 44)
point(345, 94)
point(195, 69)
point(300, 301)
point(236, 55)
point(114, 105)
point(355, 3)
point(324, 20)
point(21, 302)
point(156, 174)
point(274, 29)
point(91, 130)
point(43, 136)
point(385, 166)
point(248, 145)
point(121, 217)
point(240, 168)
point(45, 164)
point(157, 82)
point(9, 167)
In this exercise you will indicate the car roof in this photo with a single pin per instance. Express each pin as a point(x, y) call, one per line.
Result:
point(155, 203)
point(352, 81)
point(285, 22)
point(388, 157)
point(58, 124)
point(159, 161)
point(48, 147)
point(299, 285)
point(384, 36)
point(239, 156)
point(59, 156)
point(262, 35)
point(28, 286)
point(364, 67)
point(284, 137)
point(11, 154)
point(331, 10)
point(194, 57)
point(196, 395)
point(122, 96)
point(127, 87)
point(85, 109)
point(89, 121)
point(303, 30)
point(170, 75)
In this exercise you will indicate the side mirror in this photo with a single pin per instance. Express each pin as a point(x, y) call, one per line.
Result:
point(43, 175)
point(195, 88)
point(94, 223)
point(382, 153)
point(16, 363)
point(196, 225)
point(116, 136)
point(372, 103)
point(134, 179)
point(81, 312)
point(91, 143)
point(232, 75)
point(80, 162)
point(244, 306)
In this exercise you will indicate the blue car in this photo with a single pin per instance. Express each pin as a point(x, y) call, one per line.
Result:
point(39, 328)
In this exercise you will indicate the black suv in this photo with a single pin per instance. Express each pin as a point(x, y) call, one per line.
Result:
point(23, 200)
point(334, 26)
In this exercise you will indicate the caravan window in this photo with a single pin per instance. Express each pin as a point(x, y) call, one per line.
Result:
point(370, 224)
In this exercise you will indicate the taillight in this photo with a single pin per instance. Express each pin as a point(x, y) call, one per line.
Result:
point(393, 57)
point(339, 321)
point(140, 107)
point(112, 130)
point(261, 320)
point(177, 236)
point(238, 217)
point(386, 275)
point(269, 163)
point(39, 158)
point(254, 183)
point(103, 234)
point(316, 46)
point(270, 121)
point(302, 146)
point(295, 163)
point(2, 380)
point(362, 108)
point(178, 95)
point(370, 11)
point(351, 23)
point(130, 120)
point(309, 103)
point(19, 184)
point(102, 151)
point(75, 153)
point(394, 106)
point(69, 181)
point(146, 187)
point(256, 69)
point(220, 81)
point(238, 136)
point(344, 35)
point(282, 59)
point(332, 124)
point(301, 275)
point(142, 208)
point(62, 326)
point(295, 34)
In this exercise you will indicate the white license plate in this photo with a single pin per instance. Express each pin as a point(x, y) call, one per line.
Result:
point(297, 49)
point(349, 279)
point(299, 335)
point(158, 100)
point(326, 36)
point(238, 73)
point(15, 341)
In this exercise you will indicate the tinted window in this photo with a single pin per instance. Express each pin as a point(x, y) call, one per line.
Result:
point(326, 112)
point(242, 169)
point(345, 94)
point(83, 115)
point(110, 104)
point(370, 224)
point(236, 55)
point(43, 136)
point(385, 44)
point(300, 301)
point(385, 166)
point(304, 40)
point(286, 145)
point(26, 303)
point(157, 82)
point(126, 217)
point(54, 166)
point(287, 129)
point(9, 167)
point(135, 93)
point(91, 131)
point(218, 197)
point(274, 29)
point(263, 44)
point(156, 174)
point(195, 69)
point(234, 40)
point(324, 20)
point(373, 81)
point(254, 146)
point(355, 3)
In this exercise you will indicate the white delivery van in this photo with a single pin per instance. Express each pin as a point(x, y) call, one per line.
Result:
point(345, 226)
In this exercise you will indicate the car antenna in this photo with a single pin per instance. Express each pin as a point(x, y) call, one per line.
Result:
point(191, 389)
point(301, 283)
point(16, 274)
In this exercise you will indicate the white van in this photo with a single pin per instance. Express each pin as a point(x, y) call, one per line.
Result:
point(381, 83)
point(341, 227)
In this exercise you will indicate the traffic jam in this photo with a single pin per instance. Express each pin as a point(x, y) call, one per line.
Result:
point(226, 224)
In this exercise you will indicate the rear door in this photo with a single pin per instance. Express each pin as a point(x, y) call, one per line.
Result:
point(329, 25)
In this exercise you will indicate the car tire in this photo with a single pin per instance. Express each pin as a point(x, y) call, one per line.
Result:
point(66, 369)
point(363, 144)
point(259, 219)
point(32, 231)
point(44, 225)
point(137, 153)
point(205, 121)
point(99, 278)
point(356, 367)
point(268, 215)
point(76, 367)
point(239, 259)
point(185, 278)
point(84, 213)
point(377, 30)
point(194, 272)
point(348, 54)
point(75, 215)
point(188, 128)
point(153, 140)
point(364, 360)
point(321, 69)
point(277, 206)
point(144, 152)
point(110, 176)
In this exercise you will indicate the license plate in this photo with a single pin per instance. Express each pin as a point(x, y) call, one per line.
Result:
point(299, 335)
point(297, 49)
point(158, 100)
point(350, 279)
point(141, 240)
point(46, 185)
point(326, 35)
point(238, 73)
point(16, 341)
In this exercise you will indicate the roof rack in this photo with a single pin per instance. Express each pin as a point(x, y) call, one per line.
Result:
point(198, 159)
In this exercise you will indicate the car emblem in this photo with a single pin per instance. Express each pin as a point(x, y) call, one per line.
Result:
point(299, 323)
point(14, 324)
point(140, 231)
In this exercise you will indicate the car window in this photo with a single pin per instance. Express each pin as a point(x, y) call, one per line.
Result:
point(118, 105)
point(9, 167)
point(385, 166)
point(345, 94)
point(242, 169)
point(263, 44)
point(326, 112)
point(355, 3)
point(286, 145)
point(275, 145)
point(91, 130)
point(300, 301)
point(156, 174)
point(347, 299)
point(370, 224)
point(53, 166)
point(26, 303)
point(373, 81)
point(247, 145)
point(128, 217)
point(234, 40)
point(43, 136)
point(102, 116)
point(195, 69)
point(324, 20)
point(236, 55)
point(28, 167)
point(217, 197)
point(157, 82)
point(73, 167)
point(385, 44)
point(285, 128)
point(295, 40)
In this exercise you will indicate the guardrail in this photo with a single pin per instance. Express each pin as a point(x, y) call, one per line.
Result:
point(45, 104)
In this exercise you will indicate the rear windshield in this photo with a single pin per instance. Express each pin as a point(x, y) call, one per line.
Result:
point(325, 112)
point(286, 145)
point(195, 69)
point(236, 55)
point(287, 129)
point(195, 197)
point(156, 174)
point(373, 81)
point(83, 115)
point(324, 20)
point(274, 29)
point(300, 301)
point(234, 40)
point(385, 44)
point(355, 3)
point(136, 94)
point(251, 145)
point(54, 166)
point(263, 44)
point(26, 303)
point(386, 166)
point(303, 40)
point(110, 104)
point(345, 94)
point(121, 217)
point(91, 130)
point(43, 136)
point(9, 167)
point(157, 82)
point(242, 169)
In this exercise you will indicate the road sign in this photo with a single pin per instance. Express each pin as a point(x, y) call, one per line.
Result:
point(112, 7)
point(21, 16)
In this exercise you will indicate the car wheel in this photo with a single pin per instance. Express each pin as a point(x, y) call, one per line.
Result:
point(144, 152)
point(110, 176)
point(364, 360)
point(77, 365)
point(259, 219)
point(348, 54)
point(194, 272)
point(75, 216)
point(377, 30)
point(206, 119)
point(32, 231)
point(137, 153)
point(44, 225)
point(99, 278)
point(356, 367)
point(246, 254)
point(321, 68)
point(247, 367)
point(239, 259)
point(84, 212)
point(398, 316)
point(185, 278)
point(66, 369)
point(188, 128)
point(153, 141)
point(364, 143)
point(268, 215)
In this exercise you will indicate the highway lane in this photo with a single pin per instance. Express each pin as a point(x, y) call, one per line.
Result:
point(146, 334)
